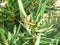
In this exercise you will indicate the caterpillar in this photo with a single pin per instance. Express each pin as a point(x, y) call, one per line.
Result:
point(28, 22)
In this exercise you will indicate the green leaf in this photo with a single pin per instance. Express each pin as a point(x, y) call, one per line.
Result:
point(14, 30)
point(40, 15)
point(22, 8)
point(27, 3)
point(9, 36)
point(40, 1)
point(18, 28)
point(3, 36)
point(38, 40)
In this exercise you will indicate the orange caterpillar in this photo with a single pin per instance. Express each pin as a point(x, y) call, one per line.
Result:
point(28, 22)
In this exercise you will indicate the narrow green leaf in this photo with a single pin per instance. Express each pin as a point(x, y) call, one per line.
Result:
point(18, 28)
point(14, 30)
point(40, 15)
point(25, 42)
point(27, 3)
point(38, 40)
point(40, 1)
point(22, 8)
point(3, 36)
point(9, 36)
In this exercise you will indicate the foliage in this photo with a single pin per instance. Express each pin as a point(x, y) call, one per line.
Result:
point(29, 22)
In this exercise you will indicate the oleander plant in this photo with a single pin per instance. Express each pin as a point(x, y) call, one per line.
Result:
point(29, 22)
